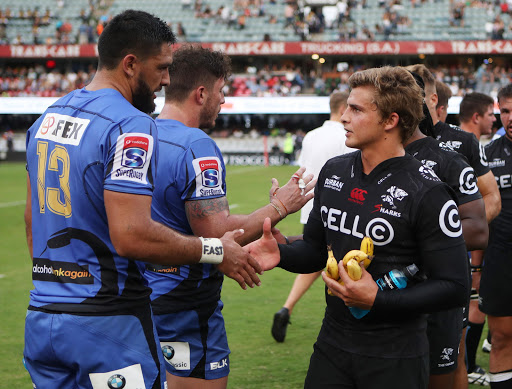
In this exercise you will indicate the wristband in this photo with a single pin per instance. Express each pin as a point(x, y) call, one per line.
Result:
point(476, 269)
point(277, 209)
point(211, 250)
point(280, 202)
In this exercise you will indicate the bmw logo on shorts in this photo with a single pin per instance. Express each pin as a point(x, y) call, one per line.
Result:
point(117, 381)
point(168, 352)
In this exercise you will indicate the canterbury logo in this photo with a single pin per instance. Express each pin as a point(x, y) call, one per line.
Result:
point(357, 195)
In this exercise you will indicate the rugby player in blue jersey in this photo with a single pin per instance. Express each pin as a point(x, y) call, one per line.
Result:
point(91, 166)
point(190, 196)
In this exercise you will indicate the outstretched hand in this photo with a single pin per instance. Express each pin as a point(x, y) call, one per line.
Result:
point(265, 249)
point(297, 191)
point(237, 263)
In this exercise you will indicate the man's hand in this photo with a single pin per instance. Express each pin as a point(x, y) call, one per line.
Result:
point(265, 249)
point(360, 293)
point(237, 263)
point(297, 192)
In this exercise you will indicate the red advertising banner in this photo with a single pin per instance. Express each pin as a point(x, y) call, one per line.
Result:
point(288, 48)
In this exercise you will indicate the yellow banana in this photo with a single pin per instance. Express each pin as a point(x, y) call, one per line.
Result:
point(331, 269)
point(367, 245)
point(354, 270)
point(358, 255)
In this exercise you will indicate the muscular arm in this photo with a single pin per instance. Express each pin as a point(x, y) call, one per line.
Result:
point(28, 218)
point(491, 195)
point(135, 235)
point(211, 217)
point(474, 224)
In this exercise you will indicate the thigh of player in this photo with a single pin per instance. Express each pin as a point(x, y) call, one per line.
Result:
point(444, 331)
point(194, 343)
point(70, 351)
point(496, 282)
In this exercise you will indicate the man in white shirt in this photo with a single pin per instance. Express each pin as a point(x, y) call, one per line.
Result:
point(318, 146)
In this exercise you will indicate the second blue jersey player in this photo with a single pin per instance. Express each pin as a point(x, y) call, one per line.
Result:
point(190, 196)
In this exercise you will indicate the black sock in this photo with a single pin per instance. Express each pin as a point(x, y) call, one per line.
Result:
point(473, 334)
point(501, 380)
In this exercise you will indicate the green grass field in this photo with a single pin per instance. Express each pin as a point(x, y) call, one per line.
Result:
point(257, 361)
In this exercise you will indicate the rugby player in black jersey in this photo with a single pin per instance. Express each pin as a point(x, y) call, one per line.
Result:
point(453, 138)
point(383, 192)
point(496, 282)
point(445, 327)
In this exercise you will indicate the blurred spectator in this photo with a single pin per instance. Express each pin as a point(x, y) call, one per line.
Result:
point(457, 15)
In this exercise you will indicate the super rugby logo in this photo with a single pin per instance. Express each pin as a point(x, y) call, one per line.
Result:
point(379, 229)
point(135, 150)
point(210, 172)
point(467, 181)
point(132, 157)
point(449, 220)
point(209, 179)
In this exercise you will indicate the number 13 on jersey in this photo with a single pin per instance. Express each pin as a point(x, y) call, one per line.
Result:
point(48, 196)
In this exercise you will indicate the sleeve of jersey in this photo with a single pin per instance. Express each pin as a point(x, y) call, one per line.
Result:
point(479, 159)
point(463, 179)
point(204, 172)
point(442, 257)
point(310, 254)
point(130, 156)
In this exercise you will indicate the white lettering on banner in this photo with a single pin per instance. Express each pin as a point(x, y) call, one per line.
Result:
point(333, 48)
point(40, 51)
point(250, 48)
point(481, 47)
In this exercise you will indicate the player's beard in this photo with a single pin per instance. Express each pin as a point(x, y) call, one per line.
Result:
point(143, 97)
point(208, 115)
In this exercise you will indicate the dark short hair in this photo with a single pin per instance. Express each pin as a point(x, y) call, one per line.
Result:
point(443, 94)
point(132, 32)
point(193, 66)
point(395, 91)
point(505, 92)
point(474, 102)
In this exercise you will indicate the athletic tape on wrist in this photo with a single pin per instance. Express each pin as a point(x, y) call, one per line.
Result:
point(211, 251)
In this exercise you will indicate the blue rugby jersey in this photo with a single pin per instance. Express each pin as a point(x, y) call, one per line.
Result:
point(190, 167)
point(86, 142)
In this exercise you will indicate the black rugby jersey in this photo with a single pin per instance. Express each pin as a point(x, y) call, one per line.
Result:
point(499, 154)
point(451, 168)
point(453, 138)
point(412, 217)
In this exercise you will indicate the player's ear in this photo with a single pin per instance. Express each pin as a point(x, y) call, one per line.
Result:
point(200, 95)
point(129, 64)
point(391, 121)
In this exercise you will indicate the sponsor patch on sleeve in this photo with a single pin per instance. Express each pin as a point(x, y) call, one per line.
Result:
point(449, 220)
point(62, 129)
point(132, 157)
point(208, 171)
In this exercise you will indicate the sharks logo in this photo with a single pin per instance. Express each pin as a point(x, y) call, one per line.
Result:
point(450, 145)
point(394, 194)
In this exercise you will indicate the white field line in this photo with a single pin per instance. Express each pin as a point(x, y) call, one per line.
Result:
point(12, 204)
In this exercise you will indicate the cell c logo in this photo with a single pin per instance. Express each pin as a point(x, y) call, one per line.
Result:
point(449, 220)
point(467, 181)
point(48, 122)
point(381, 231)
point(358, 194)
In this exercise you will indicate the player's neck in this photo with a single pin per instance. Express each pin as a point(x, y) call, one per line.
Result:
point(469, 128)
point(417, 135)
point(378, 152)
point(180, 113)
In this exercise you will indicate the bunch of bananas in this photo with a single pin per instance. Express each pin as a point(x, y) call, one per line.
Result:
point(351, 261)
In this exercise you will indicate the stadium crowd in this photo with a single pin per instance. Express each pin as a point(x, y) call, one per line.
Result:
point(286, 80)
